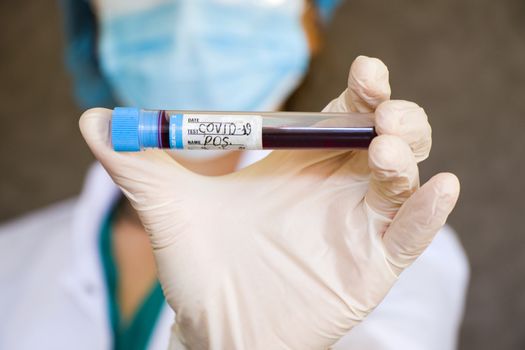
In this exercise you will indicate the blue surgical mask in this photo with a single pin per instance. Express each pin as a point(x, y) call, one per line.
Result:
point(203, 54)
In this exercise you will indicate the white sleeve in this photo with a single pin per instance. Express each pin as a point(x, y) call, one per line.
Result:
point(424, 309)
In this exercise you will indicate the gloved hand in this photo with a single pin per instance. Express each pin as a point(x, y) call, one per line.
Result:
point(296, 249)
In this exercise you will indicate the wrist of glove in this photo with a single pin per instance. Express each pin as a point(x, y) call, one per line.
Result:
point(296, 249)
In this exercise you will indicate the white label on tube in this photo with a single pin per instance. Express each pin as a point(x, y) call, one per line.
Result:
point(217, 131)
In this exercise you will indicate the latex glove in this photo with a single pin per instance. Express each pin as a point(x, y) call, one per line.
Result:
point(295, 250)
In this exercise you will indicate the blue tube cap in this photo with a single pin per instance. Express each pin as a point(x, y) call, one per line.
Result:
point(125, 129)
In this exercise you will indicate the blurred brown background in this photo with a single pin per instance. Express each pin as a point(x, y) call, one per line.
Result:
point(463, 60)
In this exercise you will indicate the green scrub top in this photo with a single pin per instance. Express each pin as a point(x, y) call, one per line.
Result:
point(136, 333)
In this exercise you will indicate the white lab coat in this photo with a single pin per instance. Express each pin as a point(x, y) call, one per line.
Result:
point(53, 296)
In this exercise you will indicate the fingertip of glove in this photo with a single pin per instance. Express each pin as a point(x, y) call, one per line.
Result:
point(94, 126)
point(93, 119)
point(93, 114)
point(368, 67)
point(447, 187)
point(369, 76)
point(389, 154)
point(389, 115)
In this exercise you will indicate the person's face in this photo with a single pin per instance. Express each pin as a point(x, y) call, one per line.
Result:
point(309, 20)
point(199, 161)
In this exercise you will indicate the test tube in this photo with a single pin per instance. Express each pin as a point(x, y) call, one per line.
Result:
point(134, 129)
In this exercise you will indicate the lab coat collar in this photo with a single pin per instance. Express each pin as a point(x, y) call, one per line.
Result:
point(83, 279)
